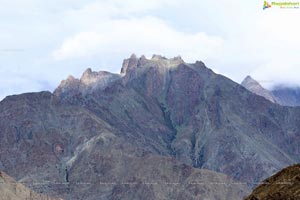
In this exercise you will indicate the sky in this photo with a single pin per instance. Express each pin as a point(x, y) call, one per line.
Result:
point(42, 42)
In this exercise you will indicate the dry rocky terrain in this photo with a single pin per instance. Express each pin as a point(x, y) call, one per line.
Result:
point(161, 121)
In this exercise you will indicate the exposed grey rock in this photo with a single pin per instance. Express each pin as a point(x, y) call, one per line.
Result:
point(160, 114)
point(129, 64)
point(89, 82)
point(208, 119)
point(254, 86)
point(75, 154)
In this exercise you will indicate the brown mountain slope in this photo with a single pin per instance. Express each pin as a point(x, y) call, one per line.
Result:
point(202, 119)
point(119, 175)
point(12, 190)
point(284, 185)
point(76, 155)
point(163, 107)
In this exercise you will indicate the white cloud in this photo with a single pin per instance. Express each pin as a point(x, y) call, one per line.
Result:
point(81, 45)
point(278, 71)
point(15, 84)
point(142, 36)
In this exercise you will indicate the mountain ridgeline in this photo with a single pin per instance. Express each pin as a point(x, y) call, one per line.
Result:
point(280, 94)
point(161, 129)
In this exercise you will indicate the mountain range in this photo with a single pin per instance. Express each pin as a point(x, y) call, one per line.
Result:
point(280, 94)
point(161, 129)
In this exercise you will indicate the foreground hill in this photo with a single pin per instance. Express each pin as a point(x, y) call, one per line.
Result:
point(12, 190)
point(283, 185)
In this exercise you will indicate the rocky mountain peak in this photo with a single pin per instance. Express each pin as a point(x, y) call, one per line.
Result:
point(88, 73)
point(157, 60)
point(158, 57)
point(89, 82)
point(70, 84)
point(90, 77)
point(248, 81)
point(253, 86)
point(71, 78)
point(129, 64)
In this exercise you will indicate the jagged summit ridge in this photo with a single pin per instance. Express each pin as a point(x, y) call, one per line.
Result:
point(156, 60)
point(132, 67)
point(89, 82)
point(250, 82)
point(90, 77)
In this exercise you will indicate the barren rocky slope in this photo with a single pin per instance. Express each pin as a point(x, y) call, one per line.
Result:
point(200, 118)
point(106, 128)
point(281, 186)
point(12, 190)
point(66, 151)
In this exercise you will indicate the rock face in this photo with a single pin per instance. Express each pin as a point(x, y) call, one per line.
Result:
point(162, 121)
point(76, 155)
point(12, 190)
point(283, 185)
point(114, 175)
point(88, 83)
point(288, 96)
point(254, 86)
